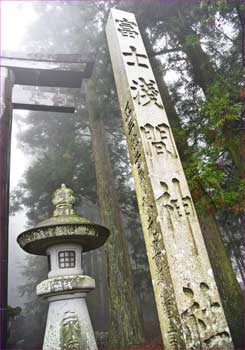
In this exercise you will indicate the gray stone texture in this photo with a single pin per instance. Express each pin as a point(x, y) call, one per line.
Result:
point(189, 307)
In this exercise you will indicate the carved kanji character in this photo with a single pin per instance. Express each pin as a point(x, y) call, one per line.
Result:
point(127, 28)
point(146, 92)
point(134, 58)
point(157, 138)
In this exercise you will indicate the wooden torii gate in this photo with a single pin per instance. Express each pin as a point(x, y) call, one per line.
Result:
point(40, 73)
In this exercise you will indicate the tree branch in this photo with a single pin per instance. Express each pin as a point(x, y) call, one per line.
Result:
point(163, 51)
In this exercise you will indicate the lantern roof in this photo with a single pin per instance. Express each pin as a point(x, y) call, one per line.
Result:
point(65, 226)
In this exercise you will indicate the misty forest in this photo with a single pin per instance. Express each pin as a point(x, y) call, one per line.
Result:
point(195, 49)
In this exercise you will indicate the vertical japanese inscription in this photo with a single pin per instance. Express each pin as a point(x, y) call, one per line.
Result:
point(171, 230)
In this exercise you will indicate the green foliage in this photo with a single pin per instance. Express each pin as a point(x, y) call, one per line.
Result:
point(191, 40)
point(220, 105)
point(60, 147)
point(61, 153)
point(13, 312)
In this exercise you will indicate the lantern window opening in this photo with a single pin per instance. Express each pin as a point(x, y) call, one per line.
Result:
point(66, 259)
point(49, 262)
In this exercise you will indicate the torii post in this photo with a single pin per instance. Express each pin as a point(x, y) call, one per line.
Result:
point(189, 306)
point(34, 71)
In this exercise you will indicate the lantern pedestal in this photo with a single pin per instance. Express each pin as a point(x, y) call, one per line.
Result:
point(68, 321)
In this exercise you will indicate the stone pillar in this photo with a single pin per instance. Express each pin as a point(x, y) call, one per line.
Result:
point(189, 307)
point(5, 142)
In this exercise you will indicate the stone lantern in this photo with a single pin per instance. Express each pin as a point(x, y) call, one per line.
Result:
point(63, 238)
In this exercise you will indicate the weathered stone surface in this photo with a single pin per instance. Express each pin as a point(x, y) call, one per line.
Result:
point(69, 326)
point(65, 226)
point(39, 99)
point(54, 263)
point(36, 241)
point(189, 307)
point(45, 71)
point(62, 284)
point(63, 198)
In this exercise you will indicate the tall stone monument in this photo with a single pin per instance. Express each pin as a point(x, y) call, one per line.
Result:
point(189, 307)
point(63, 238)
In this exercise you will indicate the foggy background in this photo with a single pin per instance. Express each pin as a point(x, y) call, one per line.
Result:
point(60, 27)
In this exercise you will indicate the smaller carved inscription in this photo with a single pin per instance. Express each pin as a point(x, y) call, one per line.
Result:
point(163, 280)
point(135, 59)
point(127, 28)
point(146, 92)
point(70, 332)
point(130, 121)
point(132, 134)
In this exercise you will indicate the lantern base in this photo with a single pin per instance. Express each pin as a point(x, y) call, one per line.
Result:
point(68, 324)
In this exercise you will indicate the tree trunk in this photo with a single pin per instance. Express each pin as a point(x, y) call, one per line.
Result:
point(236, 249)
point(228, 286)
point(125, 323)
point(231, 226)
point(204, 74)
point(7, 81)
point(239, 6)
point(95, 264)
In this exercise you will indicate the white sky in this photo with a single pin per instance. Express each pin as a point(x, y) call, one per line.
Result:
point(16, 17)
